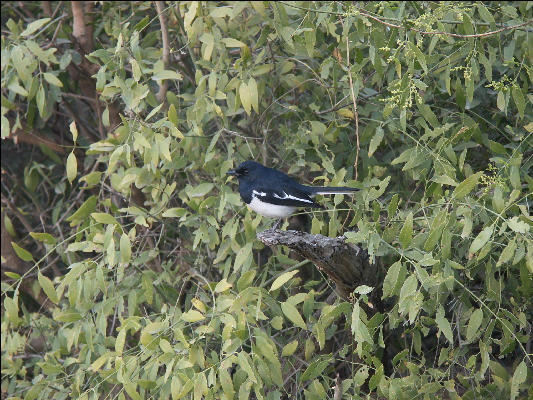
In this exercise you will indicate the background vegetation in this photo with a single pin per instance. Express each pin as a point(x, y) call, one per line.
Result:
point(131, 268)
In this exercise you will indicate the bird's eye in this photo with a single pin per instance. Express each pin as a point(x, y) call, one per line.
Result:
point(243, 171)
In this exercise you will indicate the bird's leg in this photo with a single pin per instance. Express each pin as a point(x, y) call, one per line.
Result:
point(277, 224)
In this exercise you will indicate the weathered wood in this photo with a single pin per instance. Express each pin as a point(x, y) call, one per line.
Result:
point(344, 263)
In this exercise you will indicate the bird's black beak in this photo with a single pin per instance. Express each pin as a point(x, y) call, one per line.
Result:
point(232, 172)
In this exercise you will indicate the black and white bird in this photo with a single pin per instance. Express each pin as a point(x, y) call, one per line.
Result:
point(273, 194)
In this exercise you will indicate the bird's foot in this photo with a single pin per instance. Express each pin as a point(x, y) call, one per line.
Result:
point(277, 224)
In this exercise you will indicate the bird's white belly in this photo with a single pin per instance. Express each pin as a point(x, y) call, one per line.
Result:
point(271, 210)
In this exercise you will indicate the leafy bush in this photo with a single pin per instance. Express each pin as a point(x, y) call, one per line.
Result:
point(131, 268)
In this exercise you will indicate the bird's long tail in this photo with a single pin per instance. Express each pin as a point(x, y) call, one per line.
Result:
point(331, 190)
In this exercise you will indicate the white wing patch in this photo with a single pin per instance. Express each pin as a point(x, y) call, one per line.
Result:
point(256, 193)
point(288, 196)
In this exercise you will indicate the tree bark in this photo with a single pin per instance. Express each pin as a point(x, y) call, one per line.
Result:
point(344, 263)
point(163, 86)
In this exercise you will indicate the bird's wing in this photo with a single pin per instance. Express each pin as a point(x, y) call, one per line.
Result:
point(289, 196)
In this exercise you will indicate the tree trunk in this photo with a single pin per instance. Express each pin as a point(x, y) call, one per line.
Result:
point(344, 263)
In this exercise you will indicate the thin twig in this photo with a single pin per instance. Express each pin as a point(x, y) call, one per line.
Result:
point(54, 37)
point(239, 135)
point(47, 8)
point(78, 96)
point(163, 86)
point(356, 114)
point(477, 35)
point(22, 220)
point(363, 12)
point(56, 9)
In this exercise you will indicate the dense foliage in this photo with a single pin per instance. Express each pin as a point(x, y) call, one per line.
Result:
point(130, 266)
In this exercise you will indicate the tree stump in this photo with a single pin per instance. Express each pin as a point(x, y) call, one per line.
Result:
point(344, 263)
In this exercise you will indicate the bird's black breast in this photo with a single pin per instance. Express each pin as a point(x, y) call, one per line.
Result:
point(245, 190)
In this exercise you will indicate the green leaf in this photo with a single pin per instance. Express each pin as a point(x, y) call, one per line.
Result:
point(135, 69)
point(314, 369)
point(289, 348)
point(519, 377)
point(246, 99)
point(443, 324)
point(436, 229)
point(518, 226)
point(507, 253)
point(83, 212)
point(406, 234)
point(120, 341)
point(419, 56)
point(429, 115)
point(72, 167)
point(201, 190)
point(480, 240)
point(189, 17)
point(48, 287)
point(209, 44)
point(34, 26)
point(375, 141)
point(469, 84)
point(41, 101)
point(363, 289)
point(466, 186)
point(358, 327)
point(393, 206)
point(52, 79)
point(154, 111)
point(242, 256)
point(100, 361)
point(245, 364)
point(164, 149)
point(391, 279)
point(361, 376)
point(12, 275)
point(500, 101)
point(222, 286)
point(484, 13)
point(176, 212)
point(104, 218)
point(166, 347)
point(192, 316)
point(23, 254)
point(518, 98)
point(67, 317)
point(12, 309)
point(407, 292)
point(293, 315)
point(6, 130)
point(74, 130)
point(43, 237)
point(125, 249)
point(376, 378)
point(230, 42)
point(254, 96)
point(9, 226)
point(166, 74)
point(473, 324)
point(173, 115)
point(246, 280)
point(280, 280)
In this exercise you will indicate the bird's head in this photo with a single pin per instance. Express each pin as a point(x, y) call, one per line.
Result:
point(246, 170)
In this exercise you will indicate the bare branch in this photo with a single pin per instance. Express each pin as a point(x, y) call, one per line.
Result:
point(344, 263)
point(47, 8)
point(163, 86)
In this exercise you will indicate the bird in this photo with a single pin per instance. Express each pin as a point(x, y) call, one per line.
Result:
point(274, 194)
